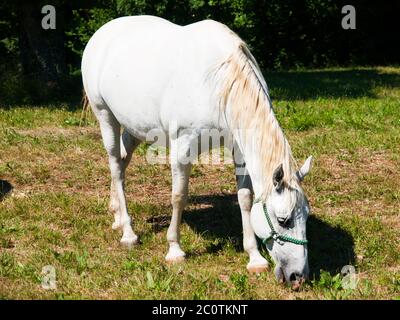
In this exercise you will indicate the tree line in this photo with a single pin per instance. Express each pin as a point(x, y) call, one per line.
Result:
point(35, 62)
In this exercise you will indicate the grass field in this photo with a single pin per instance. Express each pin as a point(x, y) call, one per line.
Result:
point(56, 214)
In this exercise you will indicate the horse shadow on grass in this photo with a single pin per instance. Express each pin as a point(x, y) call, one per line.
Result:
point(330, 247)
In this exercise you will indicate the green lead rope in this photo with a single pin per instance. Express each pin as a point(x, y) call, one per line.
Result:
point(275, 235)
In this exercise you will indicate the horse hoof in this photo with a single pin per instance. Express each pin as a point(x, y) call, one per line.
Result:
point(257, 268)
point(175, 255)
point(175, 260)
point(129, 242)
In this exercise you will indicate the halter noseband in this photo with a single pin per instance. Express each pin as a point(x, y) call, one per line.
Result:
point(275, 235)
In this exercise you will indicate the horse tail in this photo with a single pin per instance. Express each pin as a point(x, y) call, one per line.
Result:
point(85, 108)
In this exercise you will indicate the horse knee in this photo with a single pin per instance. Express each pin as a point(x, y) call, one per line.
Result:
point(178, 200)
point(245, 199)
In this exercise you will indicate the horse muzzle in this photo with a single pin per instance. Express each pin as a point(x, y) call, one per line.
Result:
point(295, 279)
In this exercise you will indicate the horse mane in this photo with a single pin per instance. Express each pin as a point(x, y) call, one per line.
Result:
point(244, 99)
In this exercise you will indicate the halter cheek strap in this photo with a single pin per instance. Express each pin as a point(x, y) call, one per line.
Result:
point(275, 236)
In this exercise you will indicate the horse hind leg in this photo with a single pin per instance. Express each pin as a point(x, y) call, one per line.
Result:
point(110, 131)
point(128, 144)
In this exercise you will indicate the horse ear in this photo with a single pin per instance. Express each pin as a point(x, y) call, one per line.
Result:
point(305, 169)
point(277, 177)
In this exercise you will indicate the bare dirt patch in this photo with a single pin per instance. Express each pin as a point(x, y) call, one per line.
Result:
point(364, 180)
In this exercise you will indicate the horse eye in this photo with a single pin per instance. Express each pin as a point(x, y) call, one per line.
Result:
point(284, 222)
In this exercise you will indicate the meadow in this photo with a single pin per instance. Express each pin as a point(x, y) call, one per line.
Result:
point(55, 192)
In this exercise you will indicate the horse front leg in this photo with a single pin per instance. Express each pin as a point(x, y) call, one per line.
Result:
point(257, 262)
point(180, 180)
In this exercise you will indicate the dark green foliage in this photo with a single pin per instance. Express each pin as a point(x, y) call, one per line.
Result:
point(282, 35)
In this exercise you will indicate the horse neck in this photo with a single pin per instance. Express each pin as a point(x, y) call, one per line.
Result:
point(245, 101)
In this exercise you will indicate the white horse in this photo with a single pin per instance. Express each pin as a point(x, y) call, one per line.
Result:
point(144, 73)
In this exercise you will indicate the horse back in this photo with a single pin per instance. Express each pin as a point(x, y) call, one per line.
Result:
point(150, 72)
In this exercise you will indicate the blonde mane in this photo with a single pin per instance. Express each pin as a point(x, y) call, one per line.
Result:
point(245, 94)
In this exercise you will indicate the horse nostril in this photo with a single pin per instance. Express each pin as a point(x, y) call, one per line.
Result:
point(295, 277)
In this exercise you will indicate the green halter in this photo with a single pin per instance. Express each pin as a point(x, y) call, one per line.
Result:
point(275, 235)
